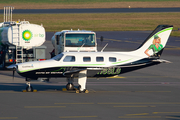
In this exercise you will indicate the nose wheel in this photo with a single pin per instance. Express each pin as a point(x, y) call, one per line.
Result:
point(29, 88)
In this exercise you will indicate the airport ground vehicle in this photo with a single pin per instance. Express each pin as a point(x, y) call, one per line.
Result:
point(20, 41)
point(73, 41)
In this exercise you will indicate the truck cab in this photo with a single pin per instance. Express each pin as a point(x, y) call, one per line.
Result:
point(73, 41)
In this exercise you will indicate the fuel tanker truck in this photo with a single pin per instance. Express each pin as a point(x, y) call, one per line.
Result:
point(20, 41)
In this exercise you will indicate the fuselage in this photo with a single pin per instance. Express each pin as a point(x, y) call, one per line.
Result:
point(98, 64)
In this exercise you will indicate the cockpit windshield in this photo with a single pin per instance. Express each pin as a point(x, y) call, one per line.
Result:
point(77, 40)
point(58, 57)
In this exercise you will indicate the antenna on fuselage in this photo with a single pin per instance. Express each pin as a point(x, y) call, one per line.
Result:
point(104, 47)
point(81, 47)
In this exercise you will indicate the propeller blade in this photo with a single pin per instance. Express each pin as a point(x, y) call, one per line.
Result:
point(13, 72)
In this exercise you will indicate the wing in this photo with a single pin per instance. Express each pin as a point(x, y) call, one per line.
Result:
point(73, 72)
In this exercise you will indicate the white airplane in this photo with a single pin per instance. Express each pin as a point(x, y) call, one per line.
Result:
point(98, 64)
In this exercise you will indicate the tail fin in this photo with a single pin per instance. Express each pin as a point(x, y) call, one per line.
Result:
point(155, 42)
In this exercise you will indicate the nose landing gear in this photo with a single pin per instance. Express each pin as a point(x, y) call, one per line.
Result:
point(29, 88)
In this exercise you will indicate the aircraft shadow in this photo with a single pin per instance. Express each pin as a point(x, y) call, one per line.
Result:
point(19, 87)
point(173, 117)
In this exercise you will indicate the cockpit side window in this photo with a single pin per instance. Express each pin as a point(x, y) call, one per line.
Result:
point(58, 57)
point(69, 59)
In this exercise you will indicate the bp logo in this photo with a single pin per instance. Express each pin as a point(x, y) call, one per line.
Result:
point(27, 35)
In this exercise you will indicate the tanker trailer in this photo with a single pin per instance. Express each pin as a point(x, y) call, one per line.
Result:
point(20, 41)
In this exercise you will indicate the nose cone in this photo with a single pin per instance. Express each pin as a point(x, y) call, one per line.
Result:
point(11, 66)
point(28, 66)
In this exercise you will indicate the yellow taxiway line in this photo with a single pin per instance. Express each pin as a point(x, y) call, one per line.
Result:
point(155, 103)
point(178, 48)
point(116, 77)
point(145, 117)
point(75, 103)
point(134, 106)
point(44, 106)
point(166, 112)
point(78, 116)
point(138, 114)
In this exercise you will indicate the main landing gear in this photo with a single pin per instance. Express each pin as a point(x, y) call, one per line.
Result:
point(70, 85)
point(81, 81)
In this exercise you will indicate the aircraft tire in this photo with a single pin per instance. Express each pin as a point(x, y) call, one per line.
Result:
point(29, 88)
point(79, 87)
point(70, 86)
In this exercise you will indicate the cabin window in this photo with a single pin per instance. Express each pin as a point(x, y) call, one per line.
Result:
point(112, 59)
point(86, 59)
point(58, 57)
point(69, 59)
point(99, 59)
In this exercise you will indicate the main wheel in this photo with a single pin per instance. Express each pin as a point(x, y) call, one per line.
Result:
point(79, 87)
point(29, 88)
point(70, 86)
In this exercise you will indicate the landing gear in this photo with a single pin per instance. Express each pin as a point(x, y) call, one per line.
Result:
point(29, 88)
point(70, 86)
point(70, 81)
point(81, 81)
point(79, 91)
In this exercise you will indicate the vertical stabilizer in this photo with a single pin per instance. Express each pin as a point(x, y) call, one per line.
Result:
point(155, 42)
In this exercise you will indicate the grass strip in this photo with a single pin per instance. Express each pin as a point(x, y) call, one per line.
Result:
point(79, 1)
point(103, 22)
point(77, 4)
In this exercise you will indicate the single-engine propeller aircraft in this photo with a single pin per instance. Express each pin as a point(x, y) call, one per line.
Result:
point(98, 64)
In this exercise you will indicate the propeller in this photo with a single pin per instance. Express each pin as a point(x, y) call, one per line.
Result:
point(12, 67)
point(13, 72)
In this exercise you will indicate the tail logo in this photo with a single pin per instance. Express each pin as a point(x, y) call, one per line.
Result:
point(156, 46)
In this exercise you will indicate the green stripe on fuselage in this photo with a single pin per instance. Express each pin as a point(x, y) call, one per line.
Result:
point(85, 65)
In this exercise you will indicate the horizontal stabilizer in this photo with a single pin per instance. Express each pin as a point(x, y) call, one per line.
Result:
point(161, 61)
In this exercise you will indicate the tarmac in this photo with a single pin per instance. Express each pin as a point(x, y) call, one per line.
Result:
point(151, 93)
